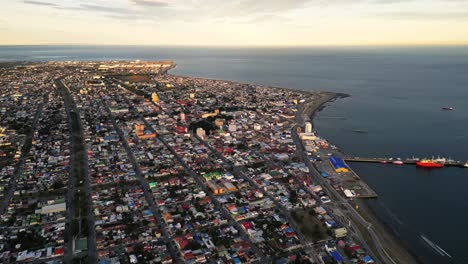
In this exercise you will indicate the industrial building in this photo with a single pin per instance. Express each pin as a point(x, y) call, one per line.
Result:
point(338, 164)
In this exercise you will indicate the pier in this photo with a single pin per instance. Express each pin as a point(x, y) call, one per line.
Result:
point(449, 163)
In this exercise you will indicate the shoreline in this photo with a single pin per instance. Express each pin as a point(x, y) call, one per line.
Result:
point(389, 230)
point(308, 111)
point(391, 238)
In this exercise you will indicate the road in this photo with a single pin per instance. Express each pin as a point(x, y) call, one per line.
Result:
point(144, 185)
point(77, 139)
point(351, 211)
point(237, 172)
point(69, 238)
point(200, 183)
point(24, 154)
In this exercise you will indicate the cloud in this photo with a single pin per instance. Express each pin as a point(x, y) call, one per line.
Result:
point(239, 11)
point(104, 9)
point(390, 1)
point(461, 15)
point(149, 3)
point(128, 12)
point(126, 17)
point(265, 6)
point(32, 2)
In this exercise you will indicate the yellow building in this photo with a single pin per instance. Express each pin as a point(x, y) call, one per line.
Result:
point(142, 134)
point(155, 98)
point(215, 113)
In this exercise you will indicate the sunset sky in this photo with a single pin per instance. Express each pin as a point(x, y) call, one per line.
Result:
point(234, 22)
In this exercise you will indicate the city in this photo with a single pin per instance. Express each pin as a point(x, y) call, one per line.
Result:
point(122, 162)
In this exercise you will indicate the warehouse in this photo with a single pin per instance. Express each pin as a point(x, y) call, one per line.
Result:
point(338, 164)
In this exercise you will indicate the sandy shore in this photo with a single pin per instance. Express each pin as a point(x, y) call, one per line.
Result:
point(393, 245)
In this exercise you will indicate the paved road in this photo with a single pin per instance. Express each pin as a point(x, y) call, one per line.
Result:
point(144, 184)
point(237, 172)
point(352, 213)
point(91, 236)
point(71, 185)
point(24, 154)
point(199, 181)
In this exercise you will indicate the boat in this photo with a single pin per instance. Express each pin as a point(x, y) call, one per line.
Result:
point(398, 162)
point(465, 165)
point(383, 161)
point(426, 163)
point(447, 108)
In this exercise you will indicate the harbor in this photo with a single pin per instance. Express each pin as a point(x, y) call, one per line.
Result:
point(347, 191)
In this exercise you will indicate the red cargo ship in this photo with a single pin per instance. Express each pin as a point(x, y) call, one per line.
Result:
point(429, 164)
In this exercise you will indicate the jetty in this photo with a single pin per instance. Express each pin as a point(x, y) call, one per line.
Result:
point(412, 161)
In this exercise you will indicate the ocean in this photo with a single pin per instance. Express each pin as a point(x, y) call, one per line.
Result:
point(396, 96)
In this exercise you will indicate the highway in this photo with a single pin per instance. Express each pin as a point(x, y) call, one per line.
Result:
point(351, 212)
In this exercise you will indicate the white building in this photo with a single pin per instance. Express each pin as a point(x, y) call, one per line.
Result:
point(232, 127)
point(308, 127)
point(201, 133)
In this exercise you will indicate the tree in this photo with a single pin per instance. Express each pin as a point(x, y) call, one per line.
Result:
point(312, 212)
point(294, 215)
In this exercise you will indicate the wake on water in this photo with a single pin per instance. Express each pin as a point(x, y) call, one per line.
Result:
point(435, 247)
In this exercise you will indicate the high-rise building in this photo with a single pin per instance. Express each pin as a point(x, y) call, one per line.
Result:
point(308, 127)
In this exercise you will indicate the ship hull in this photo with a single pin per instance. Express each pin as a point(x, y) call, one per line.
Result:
point(429, 165)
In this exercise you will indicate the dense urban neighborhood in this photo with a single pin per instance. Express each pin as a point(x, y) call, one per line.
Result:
point(122, 162)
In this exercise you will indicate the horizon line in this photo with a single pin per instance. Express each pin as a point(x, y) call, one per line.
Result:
point(453, 44)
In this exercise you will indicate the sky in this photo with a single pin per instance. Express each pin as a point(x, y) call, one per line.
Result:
point(234, 22)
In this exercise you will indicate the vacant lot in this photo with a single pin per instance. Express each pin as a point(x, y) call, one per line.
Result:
point(309, 224)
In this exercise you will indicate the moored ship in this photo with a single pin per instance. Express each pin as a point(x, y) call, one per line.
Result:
point(429, 164)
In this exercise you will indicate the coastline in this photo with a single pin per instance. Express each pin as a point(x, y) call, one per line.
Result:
point(307, 112)
point(392, 241)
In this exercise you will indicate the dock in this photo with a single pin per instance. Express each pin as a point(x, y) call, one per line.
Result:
point(448, 163)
